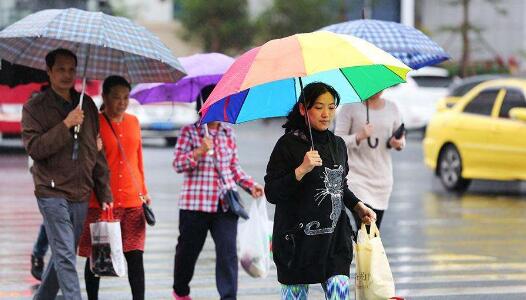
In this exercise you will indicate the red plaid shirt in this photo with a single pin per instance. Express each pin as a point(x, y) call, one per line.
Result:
point(202, 188)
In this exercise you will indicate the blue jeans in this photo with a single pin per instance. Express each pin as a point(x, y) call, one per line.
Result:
point(64, 221)
point(193, 228)
point(41, 245)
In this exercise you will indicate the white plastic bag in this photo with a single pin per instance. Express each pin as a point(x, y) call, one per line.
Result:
point(107, 257)
point(374, 280)
point(253, 240)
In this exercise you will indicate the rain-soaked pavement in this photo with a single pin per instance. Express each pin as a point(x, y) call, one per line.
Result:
point(440, 245)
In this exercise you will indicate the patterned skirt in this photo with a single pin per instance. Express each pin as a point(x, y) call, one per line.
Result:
point(133, 229)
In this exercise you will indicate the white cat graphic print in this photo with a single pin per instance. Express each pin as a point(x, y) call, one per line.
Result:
point(332, 178)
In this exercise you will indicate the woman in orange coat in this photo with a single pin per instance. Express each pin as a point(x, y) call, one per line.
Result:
point(127, 185)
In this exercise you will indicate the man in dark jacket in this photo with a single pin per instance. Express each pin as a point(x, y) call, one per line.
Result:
point(65, 170)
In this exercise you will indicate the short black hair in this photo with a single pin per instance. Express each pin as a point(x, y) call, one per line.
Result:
point(51, 57)
point(205, 93)
point(308, 97)
point(112, 81)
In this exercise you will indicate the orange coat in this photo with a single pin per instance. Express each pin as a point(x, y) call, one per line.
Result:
point(122, 183)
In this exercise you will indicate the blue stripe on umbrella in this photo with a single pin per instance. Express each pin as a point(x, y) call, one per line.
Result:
point(273, 99)
point(226, 109)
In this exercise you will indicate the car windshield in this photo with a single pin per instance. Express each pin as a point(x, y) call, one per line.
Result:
point(462, 89)
point(432, 81)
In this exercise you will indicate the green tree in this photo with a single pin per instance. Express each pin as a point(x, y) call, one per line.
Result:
point(286, 17)
point(220, 26)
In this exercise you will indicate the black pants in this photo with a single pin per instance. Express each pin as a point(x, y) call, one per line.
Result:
point(358, 221)
point(193, 228)
point(135, 276)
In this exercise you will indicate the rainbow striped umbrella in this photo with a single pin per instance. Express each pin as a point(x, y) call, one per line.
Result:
point(266, 81)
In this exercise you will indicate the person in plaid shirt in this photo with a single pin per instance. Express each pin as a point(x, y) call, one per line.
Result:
point(201, 204)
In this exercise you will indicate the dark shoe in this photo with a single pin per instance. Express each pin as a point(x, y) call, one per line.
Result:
point(37, 267)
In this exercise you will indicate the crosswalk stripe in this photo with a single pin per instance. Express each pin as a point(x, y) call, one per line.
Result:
point(460, 278)
point(459, 267)
point(463, 291)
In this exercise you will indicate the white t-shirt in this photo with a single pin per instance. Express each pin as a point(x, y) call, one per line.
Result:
point(370, 175)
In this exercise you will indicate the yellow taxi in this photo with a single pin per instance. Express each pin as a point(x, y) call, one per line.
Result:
point(482, 136)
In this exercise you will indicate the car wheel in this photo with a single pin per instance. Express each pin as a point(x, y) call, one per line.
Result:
point(171, 141)
point(450, 170)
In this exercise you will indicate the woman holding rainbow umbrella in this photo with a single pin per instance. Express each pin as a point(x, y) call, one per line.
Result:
point(306, 172)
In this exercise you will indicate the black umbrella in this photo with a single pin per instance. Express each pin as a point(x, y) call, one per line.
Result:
point(13, 74)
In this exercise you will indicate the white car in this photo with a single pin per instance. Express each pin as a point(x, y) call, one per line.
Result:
point(164, 119)
point(417, 98)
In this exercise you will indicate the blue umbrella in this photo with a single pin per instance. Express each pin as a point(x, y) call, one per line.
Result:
point(406, 43)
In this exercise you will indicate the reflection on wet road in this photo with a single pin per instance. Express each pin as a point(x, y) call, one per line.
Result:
point(440, 245)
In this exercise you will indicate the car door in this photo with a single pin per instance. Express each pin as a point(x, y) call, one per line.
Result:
point(508, 137)
point(472, 132)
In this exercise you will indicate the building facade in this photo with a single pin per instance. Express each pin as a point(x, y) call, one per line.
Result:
point(502, 35)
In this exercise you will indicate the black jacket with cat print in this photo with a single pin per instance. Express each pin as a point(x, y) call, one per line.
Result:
point(312, 236)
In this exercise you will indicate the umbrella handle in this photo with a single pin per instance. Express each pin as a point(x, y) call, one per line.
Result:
point(207, 132)
point(77, 127)
point(306, 114)
point(371, 144)
point(81, 100)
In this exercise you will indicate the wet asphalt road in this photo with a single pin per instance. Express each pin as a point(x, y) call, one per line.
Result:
point(440, 245)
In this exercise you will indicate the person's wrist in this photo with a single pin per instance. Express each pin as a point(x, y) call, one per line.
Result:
point(358, 207)
point(359, 137)
point(66, 123)
point(299, 172)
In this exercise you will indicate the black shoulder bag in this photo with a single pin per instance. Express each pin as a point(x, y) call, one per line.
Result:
point(148, 212)
point(232, 197)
